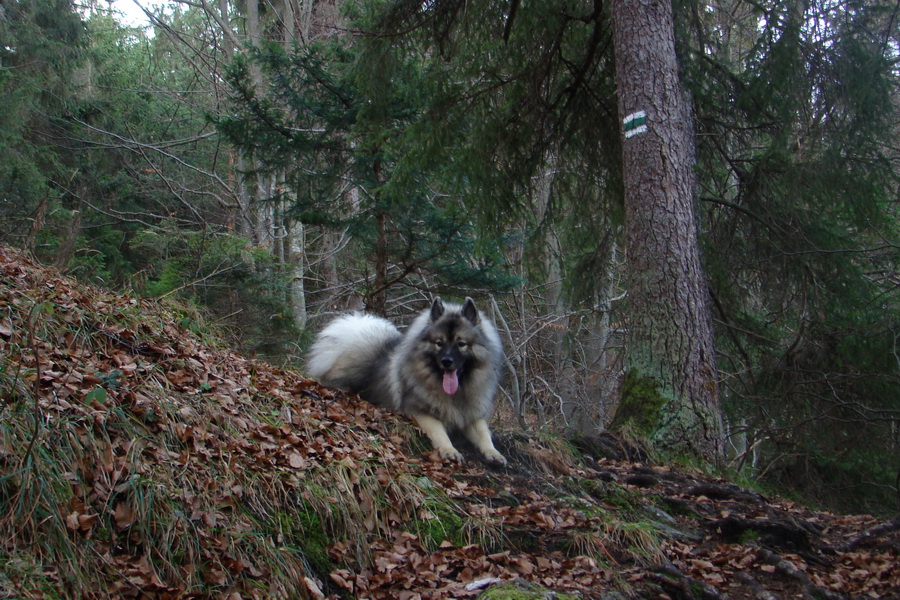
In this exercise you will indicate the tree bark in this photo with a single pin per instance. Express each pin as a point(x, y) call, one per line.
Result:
point(298, 279)
point(376, 298)
point(670, 393)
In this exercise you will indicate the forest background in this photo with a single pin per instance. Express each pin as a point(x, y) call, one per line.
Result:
point(270, 164)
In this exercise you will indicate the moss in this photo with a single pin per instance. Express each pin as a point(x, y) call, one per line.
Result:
point(522, 590)
point(612, 493)
point(681, 429)
point(587, 508)
point(437, 522)
point(642, 405)
point(749, 536)
point(306, 530)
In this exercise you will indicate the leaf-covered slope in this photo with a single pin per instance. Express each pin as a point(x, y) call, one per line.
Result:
point(137, 461)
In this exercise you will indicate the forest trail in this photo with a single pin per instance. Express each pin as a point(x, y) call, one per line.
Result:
point(140, 461)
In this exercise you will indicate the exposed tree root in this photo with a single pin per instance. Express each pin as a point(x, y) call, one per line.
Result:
point(785, 567)
point(872, 537)
point(670, 577)
point(759, 592)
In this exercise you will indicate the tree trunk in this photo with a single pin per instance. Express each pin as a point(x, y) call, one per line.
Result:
point(376, 298)
point(294, 247)
point(670, 393)
point(564, 382)
point(290, 24)
point(37, 225)
point(305, 21)
point(66, 249)
point(298, 279)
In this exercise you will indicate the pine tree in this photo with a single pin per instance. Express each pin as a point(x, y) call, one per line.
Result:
point(546, 90)
point(671, 389)
point(793, 116)
point(41, 46)
point(334, 126)
point(796, 123)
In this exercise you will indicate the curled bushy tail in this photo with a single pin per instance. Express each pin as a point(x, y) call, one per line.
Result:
point(352, 353)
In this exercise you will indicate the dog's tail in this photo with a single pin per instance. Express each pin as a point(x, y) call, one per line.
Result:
point(352, 352)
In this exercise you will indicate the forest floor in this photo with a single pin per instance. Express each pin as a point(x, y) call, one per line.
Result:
point(140, 459)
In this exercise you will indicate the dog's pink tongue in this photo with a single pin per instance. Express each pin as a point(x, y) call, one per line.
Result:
point(451, 382)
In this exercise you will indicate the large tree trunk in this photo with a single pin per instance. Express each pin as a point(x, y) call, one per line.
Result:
point(670, 394)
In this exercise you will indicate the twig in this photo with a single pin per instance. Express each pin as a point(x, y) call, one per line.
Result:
point(196, 281)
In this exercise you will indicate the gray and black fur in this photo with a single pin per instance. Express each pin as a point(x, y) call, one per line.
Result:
point(443, 372)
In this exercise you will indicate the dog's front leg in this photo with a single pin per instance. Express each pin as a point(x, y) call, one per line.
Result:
point(437, 433)
point(479, 434)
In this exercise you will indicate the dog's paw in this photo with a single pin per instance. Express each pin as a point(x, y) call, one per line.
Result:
point(495, 458)
point(450, 453)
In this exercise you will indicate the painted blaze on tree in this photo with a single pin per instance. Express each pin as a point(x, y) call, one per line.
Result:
point(670, 393)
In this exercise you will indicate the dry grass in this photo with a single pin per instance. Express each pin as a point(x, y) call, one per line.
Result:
point(129, 447)
point(139, 460)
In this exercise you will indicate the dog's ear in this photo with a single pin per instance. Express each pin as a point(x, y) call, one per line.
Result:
point(470, 312)
point(437, 309)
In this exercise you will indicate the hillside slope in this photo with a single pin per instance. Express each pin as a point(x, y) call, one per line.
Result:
point(136, 461)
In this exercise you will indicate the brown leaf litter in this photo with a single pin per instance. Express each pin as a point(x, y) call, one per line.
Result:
point(138, 461)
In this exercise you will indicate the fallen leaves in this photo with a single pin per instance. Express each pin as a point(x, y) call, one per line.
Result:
point(402, 566)
point(159, 443)
point(173, 469)
point(860, 573)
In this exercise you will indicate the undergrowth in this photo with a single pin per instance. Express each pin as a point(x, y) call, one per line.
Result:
point(130, 446)
point(139, 459)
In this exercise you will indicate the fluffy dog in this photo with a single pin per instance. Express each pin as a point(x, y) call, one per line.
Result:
point(443, 371)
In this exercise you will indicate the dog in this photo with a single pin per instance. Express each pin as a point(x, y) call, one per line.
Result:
point(443, 372)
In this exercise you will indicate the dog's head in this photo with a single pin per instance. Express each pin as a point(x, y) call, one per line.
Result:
point(452, 335)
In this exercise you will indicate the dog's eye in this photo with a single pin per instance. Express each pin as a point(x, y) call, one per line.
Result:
point(439, 343)
point(462, 345)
